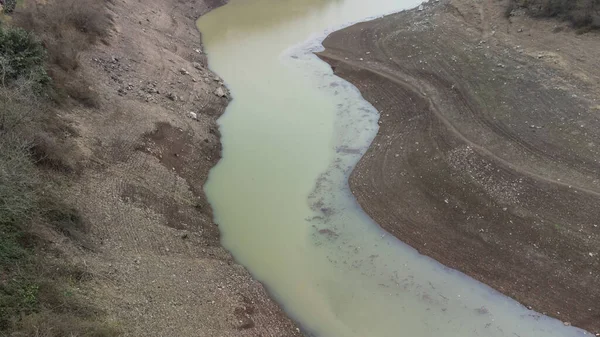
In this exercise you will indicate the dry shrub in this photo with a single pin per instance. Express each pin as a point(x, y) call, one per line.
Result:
point(18, 176)
point(35, 296)
point(55, 18)
point(38, 298)
point(510, 7)
point(17, 181)
point(89, 17)
point(57, 154)
point(71, 84)
point(49, 324)
point(82, 91)
point(66, 220)
point(67, 28)
point(583, 14)
point(29, 127)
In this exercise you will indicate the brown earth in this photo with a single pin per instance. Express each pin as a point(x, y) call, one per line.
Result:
point(487, 156)
point(153, 249)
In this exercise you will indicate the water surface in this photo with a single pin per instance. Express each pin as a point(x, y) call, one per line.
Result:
point(280, 196)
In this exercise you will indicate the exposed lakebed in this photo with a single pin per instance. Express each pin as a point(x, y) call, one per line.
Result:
point(291, 137)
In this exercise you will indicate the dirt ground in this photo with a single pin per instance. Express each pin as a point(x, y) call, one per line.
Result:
point(487, 156)
point(154, 250)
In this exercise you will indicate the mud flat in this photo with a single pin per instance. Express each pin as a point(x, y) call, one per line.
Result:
point(487, 154)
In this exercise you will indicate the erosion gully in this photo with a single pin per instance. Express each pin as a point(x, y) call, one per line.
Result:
point(291, 137)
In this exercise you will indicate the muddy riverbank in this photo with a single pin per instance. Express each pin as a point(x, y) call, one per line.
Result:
point(486, 157)
point(152, 257)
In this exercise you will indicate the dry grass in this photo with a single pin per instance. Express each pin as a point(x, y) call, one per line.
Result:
point(55, 20)
point(18, 175)
point(33, 292)
point(55, 153)
point(67, 28)
point(46, 138)
point(38, 295)
point(47, 324)
point(583, 14)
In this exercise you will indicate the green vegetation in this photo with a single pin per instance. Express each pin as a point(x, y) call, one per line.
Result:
point(21, 56)
point(39, 293)
point(35, 293)
point(583, 14)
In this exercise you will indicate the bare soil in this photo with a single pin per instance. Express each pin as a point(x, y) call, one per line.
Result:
point(487, 156)
point(153, 249)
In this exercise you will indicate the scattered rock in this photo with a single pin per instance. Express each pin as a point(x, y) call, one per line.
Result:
point(172, 96)
point(567, 323)
point(197, 65)
point(220, 92)
point(183, 71)
point(421, 7)
point(192, 115)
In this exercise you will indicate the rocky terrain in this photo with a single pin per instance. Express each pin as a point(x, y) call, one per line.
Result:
point(487, 154)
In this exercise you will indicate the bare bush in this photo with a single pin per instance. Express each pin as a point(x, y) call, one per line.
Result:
point(17, 180)
point(67, 28)
point(581, 13)
point(17, 172)
point(51, 152)
point(89, 17)
point(54, 18)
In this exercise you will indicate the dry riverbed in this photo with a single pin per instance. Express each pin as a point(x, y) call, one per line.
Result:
point(487, 153)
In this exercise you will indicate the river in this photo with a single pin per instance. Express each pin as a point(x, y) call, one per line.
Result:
point(291, 136)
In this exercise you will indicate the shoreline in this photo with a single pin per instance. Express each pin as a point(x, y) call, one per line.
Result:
point(155, 255)
point(456, 171)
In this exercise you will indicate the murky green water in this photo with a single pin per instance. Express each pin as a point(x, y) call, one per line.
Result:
point(290, 138)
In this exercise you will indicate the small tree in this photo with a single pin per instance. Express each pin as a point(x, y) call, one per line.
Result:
point(21, 55)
